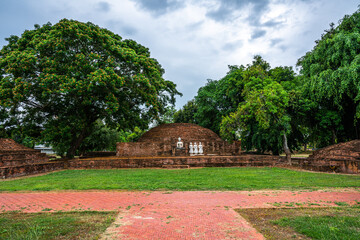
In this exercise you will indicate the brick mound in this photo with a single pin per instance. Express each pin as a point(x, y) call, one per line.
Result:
point(341, 151)
point(342, 157)
point(18, 160)
point(9, 145)
point(188, 132)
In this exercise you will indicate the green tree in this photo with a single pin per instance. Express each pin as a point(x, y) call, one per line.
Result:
point(332, 78)
point(218, 98)
point(187, 113)
point(262, 119)
point(167, 116)
point(131, 136)
point(64, 77)
point(101, 138)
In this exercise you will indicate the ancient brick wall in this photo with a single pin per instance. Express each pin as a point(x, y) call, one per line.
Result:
point(323, 165)
point(30, 169)
point(18, 160)
point(342, 157)
point(245, 160)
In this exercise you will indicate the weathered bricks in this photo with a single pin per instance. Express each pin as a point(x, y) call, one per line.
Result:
point(245, 160)
point(161, 141)
point(342, 157)
point(18, 160)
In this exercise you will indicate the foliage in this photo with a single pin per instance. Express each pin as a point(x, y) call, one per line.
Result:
point(263, 118)
point(218, 98)
point(131, 136)
point(167, 116)
point(101, 138)
point(104, 138)
point(61, 225)
point(187, 113)
point(208, 111)
point(332, 77)
point(233, 179)
point(63, 77)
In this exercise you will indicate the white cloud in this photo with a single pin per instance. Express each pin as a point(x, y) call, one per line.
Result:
point(194, 40)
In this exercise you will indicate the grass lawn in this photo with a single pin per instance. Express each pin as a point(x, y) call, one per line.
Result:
point(65, 225)
point(306, 223)
point(183, 179)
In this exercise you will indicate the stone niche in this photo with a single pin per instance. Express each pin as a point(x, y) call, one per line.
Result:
point(163, 141)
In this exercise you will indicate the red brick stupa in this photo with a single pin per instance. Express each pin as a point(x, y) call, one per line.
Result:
point(164, 140)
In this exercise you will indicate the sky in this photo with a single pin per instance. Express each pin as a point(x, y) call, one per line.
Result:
point(193, 40)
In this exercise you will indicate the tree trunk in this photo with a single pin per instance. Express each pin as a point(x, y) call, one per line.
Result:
point(77, 140)
point(356, 131)
point(333, 136)
point(305, 147)
point(286, 149)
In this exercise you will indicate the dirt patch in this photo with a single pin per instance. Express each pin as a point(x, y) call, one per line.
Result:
point(263, 219)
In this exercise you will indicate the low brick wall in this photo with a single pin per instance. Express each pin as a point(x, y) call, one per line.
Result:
point(29, 169)
point(244, 160)
point(159, 162)
point(328, 165)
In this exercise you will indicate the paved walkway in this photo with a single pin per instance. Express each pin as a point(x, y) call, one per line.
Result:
point(174, 215)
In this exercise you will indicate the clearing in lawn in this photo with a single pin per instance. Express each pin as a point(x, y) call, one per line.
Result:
point(58, 225)
point(305, 223)
point(233, 179)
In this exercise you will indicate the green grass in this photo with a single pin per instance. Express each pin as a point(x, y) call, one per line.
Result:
point(305, 223)
point(324, 227)
point(183, 179)
point(69, 225)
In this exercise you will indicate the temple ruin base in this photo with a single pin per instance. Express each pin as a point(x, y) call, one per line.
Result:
point(245, 160)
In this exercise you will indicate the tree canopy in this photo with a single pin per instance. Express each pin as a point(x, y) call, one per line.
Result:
point(62, 78)
point(331, 73)
point(263, 119)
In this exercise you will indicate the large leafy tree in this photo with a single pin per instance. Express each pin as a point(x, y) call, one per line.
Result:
point(332, 76)
point(218, 98)
point(62, 78)
point(263, 119)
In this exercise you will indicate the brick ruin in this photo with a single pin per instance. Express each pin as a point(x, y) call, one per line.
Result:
point(341, 157)
point(18, 160)
point(158, 149)
point(162, 141)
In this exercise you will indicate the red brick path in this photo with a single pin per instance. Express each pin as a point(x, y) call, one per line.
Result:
point(174, 215)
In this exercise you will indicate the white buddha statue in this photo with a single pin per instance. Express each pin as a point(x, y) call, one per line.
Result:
point(195, 149)
point(201, 151)
point(180, 144)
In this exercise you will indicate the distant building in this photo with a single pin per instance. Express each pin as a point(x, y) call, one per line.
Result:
point(44, 149)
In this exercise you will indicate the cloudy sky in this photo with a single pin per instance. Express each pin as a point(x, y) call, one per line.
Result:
point(194, 40)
